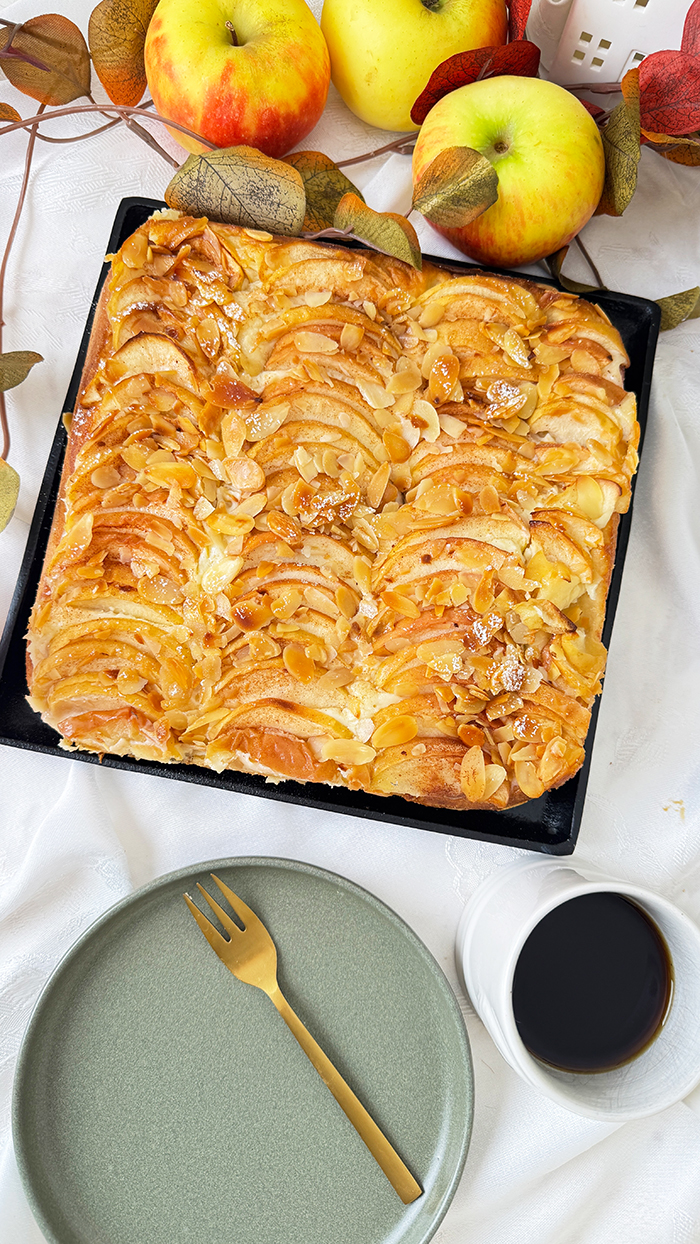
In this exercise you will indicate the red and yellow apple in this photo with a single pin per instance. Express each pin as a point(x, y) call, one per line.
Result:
point(384, 51)
point(249, 73)
point(547, 152)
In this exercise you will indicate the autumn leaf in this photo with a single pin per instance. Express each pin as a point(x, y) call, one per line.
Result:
point(240, 186)
point(670, 92)
point(52, 41)
point(679, 307)
point(621, 138)
point(457, 187)
point(521, 58)
point(518, 13)
point(594, 109)
point(691, 30)
point(384, 231)
point(7, 113)
point(324, 186)
point(554, 263)
point(16, 366)
point(683, 149)
point(116, 34)
point(9, 492)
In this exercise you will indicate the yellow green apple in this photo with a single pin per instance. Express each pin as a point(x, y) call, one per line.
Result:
point(547, 152)
point(384, 51)
point(251, 73)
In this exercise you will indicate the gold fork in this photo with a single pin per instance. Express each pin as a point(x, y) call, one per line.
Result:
point(251, 956)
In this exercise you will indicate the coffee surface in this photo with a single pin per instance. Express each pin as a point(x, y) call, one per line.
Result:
point(592, 984)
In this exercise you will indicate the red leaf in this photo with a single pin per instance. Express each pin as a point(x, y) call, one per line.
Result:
point(521, 58)
point(518, 12)
point(594, 109)
point(670, 92)
point(691, 31)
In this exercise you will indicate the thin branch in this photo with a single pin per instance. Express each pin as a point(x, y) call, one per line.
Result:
point(105, 110)
point(589, 261)
point(145, 137)
point(150, 141)
point(397, 145)
point(76, 138)
point(13, 230)
point(596, 88)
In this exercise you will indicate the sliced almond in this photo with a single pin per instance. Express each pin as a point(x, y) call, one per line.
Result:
point(167, 473)
point(244, 474)
point(105, 477)
point(432, 314)
point(317, 297)
point(375, 395)
point(286, 527)
point(395, 731)
point(297, 663)
point(527, 779)
point(451, 426)
point(472, 775)
point(314, 343)
point(405, 381)
point(347, 751)
point(265, 420)
point(346, 601)
point(220, 574)
point(425, 416)
point(397, 448)
point(494, 777)
point(351, 337)
point(377, 485)
point(443, 377)
point(362, 571)
point(435, 351)
point(262, 646)
point(400, 604)
point(233, 433)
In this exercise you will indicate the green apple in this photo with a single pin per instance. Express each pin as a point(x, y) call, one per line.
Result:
point(251, 73)
point(384, 51)
point(547, 152)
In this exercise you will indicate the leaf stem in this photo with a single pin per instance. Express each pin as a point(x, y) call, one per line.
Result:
point(3, 268)
point(589, 261)
point(397, 145)
point(105, 110)
point(76, 138)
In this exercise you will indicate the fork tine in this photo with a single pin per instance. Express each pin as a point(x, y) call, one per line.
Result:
point(230, 925)
point(244, 913)
point(213, 936)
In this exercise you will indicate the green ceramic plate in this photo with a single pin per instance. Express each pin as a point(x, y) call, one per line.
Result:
point(160, 1101)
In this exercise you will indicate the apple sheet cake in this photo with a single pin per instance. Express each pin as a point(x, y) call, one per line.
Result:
point(326, 518)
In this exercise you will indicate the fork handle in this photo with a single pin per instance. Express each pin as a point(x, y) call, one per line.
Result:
point(382, 1151)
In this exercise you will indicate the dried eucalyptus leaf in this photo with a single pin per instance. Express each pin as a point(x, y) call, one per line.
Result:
point(457, 187)
point(679, 307)
point(53, 41)
point(240, 186)
point(384, 231)
point(9, 492)
point(324, 185)
point(116, 34)
point(621, 139)
point(15, 367)
point(554, 263)
point(7, 113)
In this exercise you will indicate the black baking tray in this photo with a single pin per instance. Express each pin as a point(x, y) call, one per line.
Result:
point(549, 824)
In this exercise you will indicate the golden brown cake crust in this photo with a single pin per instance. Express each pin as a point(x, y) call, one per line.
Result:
point(326, 518)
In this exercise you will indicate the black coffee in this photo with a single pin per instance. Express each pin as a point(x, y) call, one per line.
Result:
point(592, 984)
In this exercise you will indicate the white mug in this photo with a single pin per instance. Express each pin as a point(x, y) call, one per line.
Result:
point(495, 925)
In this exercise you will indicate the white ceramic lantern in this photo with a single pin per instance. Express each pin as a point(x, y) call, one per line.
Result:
point(599, 40)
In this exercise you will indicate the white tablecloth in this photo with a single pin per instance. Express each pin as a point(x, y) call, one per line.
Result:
point(76, 838)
